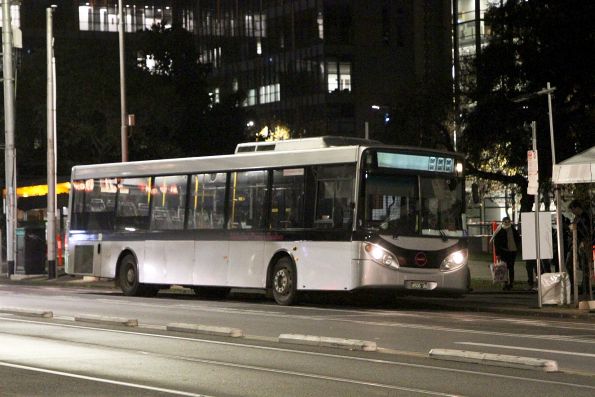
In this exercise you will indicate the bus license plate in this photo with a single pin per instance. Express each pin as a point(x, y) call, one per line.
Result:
point(418, 285)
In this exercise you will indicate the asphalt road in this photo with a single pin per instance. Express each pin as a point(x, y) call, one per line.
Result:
point(66, 357)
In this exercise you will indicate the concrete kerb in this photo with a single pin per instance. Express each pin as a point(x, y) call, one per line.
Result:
point(87, 318)
point(500, 360)
point(324, 341)
point(27, 312)
point(205, 330)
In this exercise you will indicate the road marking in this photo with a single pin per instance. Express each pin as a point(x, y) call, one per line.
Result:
point(102, 380)
point(527, 349)
point(308, 353)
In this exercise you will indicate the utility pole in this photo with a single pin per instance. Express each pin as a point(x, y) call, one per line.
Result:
point(534, 184)
point(51, 158)
point(9, 148)
point(124, 129)
point(561, 262)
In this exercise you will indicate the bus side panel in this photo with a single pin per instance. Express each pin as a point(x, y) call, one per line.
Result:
point(325, 265)
point(247, 267)
point(168, 262)
point(211, 263)
point(110, 252)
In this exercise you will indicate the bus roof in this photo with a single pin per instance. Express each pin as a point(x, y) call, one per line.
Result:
point(318, 142)
point(290, 153)
point(244, 161)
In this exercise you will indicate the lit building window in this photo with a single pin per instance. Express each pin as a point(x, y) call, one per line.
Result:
point(215, 95)
point(250, 98)
point(269, 93)
point(320, 21)
point(105, 19)
point(258, 46)
point(255, 25)
point(338, 76)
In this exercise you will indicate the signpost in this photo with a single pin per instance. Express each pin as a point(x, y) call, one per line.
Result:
point(533, 188)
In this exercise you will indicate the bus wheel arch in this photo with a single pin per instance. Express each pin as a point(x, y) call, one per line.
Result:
point(127, 273)
point(282, 279)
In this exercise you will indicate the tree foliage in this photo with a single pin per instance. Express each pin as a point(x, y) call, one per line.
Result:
point(531, 43)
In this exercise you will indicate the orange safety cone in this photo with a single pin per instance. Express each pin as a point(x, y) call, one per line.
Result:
point(59, 249)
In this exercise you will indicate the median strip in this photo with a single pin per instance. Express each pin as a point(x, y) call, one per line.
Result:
point(500, 360)
point(27, 312)
point(87, 318)
point(205, 329)
point(325, 341)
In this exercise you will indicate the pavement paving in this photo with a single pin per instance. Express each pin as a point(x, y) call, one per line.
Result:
point(485, 296)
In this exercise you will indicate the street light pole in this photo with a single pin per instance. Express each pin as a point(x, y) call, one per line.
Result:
point(9, 147)
point(124, 129)
point(51, 159)
point(559, 238)
point(548, 91)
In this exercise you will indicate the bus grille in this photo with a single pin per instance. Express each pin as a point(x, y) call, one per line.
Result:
point(83, 259)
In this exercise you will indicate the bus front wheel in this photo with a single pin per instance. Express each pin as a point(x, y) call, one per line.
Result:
point(284, 282)
point(128, 276)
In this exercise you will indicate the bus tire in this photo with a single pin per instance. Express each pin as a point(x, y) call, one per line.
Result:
point(128, 276)
point(284, 282)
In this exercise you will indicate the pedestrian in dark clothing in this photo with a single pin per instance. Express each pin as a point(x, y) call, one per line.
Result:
point(581, 223)
point(506, 243)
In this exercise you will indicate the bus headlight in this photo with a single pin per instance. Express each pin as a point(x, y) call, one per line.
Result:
point(380, 255)
point(454, 261)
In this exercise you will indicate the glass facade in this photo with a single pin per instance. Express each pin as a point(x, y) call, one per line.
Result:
point(472, 33)
point(314, 66)
point(102, 16)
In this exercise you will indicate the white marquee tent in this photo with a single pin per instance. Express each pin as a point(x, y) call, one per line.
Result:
point(577, 169)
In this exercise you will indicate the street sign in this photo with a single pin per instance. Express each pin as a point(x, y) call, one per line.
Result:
point(532, 172)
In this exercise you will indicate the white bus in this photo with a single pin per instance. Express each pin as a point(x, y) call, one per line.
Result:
point(325, 214)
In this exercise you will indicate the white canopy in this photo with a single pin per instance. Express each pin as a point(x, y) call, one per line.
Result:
point(577, 169)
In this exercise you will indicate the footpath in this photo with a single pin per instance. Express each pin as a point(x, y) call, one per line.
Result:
point(485, 296)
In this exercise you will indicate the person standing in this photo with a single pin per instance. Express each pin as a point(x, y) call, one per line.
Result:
point(506, 243)
point(581, 224)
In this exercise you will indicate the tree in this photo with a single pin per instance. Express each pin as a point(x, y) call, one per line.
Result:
point(531, 43)
point(173, 100)
point(424, 119)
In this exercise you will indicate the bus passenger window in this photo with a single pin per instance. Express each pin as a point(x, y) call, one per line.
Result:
point(287, 207)
point(334, 197)
point(169, 194)
point(133, 195)
point(91, 204)
point(247, 199)
point(207, 201)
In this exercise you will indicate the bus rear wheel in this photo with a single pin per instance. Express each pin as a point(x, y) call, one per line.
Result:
point(128, 278)
point(284, 282)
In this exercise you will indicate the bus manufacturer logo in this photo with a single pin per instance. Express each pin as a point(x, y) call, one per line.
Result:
point(421, 259)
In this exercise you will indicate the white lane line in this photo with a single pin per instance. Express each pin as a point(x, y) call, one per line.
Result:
point(434, 328)
point(527, 349)
point(319, 377)
point(360, 322)
point(102, 380)
point(308, 353)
